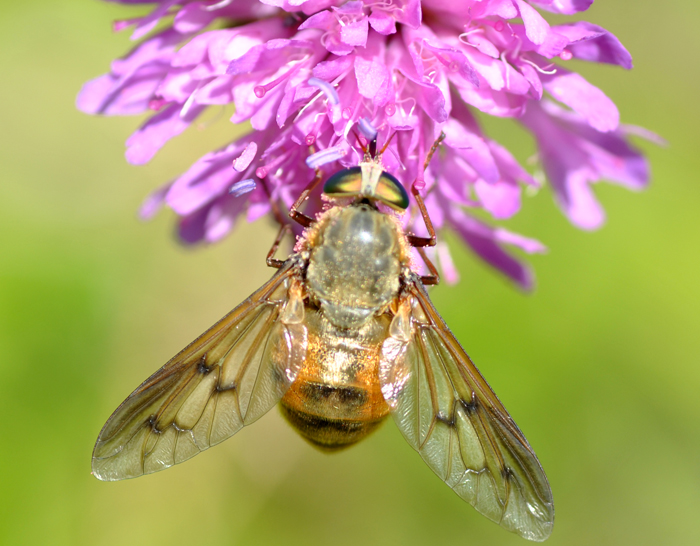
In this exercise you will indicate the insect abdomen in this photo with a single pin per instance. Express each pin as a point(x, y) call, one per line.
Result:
point(332, 418)
point(336, 399)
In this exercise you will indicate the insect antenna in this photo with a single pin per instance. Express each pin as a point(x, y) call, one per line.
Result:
point(386, 144)
point(360, 143)
point(433, 149)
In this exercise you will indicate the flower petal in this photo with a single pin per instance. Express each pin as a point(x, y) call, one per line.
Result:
point(567, 7)
point(206, 180)
point(484, 241)
point(536, 27)
point(586, 99)
point(144, 143)
point(595, 44)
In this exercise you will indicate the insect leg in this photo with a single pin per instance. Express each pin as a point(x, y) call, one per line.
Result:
point(432, 239)
point(271, 261)
point(294, 212)
point(415, 240)
point(434, 277)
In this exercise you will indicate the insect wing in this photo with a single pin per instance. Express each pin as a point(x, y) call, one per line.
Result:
point(227, 378)
point(449, 414)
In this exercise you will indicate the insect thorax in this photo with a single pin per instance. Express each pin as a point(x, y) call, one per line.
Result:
point(356, 256)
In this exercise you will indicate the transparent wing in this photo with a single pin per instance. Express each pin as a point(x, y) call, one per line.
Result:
point(227, 378)
point(449, 414)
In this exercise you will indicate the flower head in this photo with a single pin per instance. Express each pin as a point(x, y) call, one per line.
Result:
point(310, 75)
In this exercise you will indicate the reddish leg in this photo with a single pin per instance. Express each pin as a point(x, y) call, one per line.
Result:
point(271, 260)
point(432, 239)
point(420, 242)
point(434, 277)
point(415, 240)
point(295, 215)
point(294, 212)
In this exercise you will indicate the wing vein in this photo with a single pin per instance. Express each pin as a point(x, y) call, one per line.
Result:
point(430, 377)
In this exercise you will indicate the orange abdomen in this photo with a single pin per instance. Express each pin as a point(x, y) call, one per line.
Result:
point(336, 399)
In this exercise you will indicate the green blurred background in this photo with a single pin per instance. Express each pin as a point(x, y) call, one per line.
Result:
point(599, 366)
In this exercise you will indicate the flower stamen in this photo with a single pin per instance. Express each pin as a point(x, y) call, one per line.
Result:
point(326, 88)
point(242, 187)
point(217, 5)
point(325, 156)
point(540, 69)
point(261, 90)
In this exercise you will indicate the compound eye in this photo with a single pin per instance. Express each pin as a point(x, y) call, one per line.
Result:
point(345, 183)
point(391, 192)
point(348, 183)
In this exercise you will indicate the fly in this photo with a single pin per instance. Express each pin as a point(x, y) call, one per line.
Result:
point(343, 335)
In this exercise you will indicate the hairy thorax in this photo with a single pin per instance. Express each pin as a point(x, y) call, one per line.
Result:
point(355, 258)
point(354, 264)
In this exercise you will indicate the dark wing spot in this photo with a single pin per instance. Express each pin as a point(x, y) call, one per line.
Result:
point(507, 472)
point(447, 420)
point(153, 423)
point(202, 366)
point(471, 406)
point(224, 388)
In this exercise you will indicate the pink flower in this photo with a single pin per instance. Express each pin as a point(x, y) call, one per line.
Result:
point(309, 74)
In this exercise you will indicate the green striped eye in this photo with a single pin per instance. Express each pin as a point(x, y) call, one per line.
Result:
point(344, 183)
point(391, 192)
point(348, 182)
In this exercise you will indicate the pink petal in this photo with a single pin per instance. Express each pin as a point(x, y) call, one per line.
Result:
point(483, 44)
point(192, 18)
point(536, 28)
point(501, 199)
point(373, 79)
point(191, 227)
point(205, 181)
point(567, 7)
point(355, 33)
point(586, 99)
point(149, 22)
point(553, 45)
point(152, 135)
point(505, 9)
point(509, 167)
point(194, 51)
point(473, 148)
point(533, 78)
point(595, 44)
point(329, 70)
point(579, 202)
point(496, 103)
point(483, 240)
point(271, 54)
point(153, 203)
point(217, 91)
point(409, 14)
point(266, 110)
point(221, 218)
point(449, 271)
point(382, 22)
point(323, 20)
point(531, 246)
